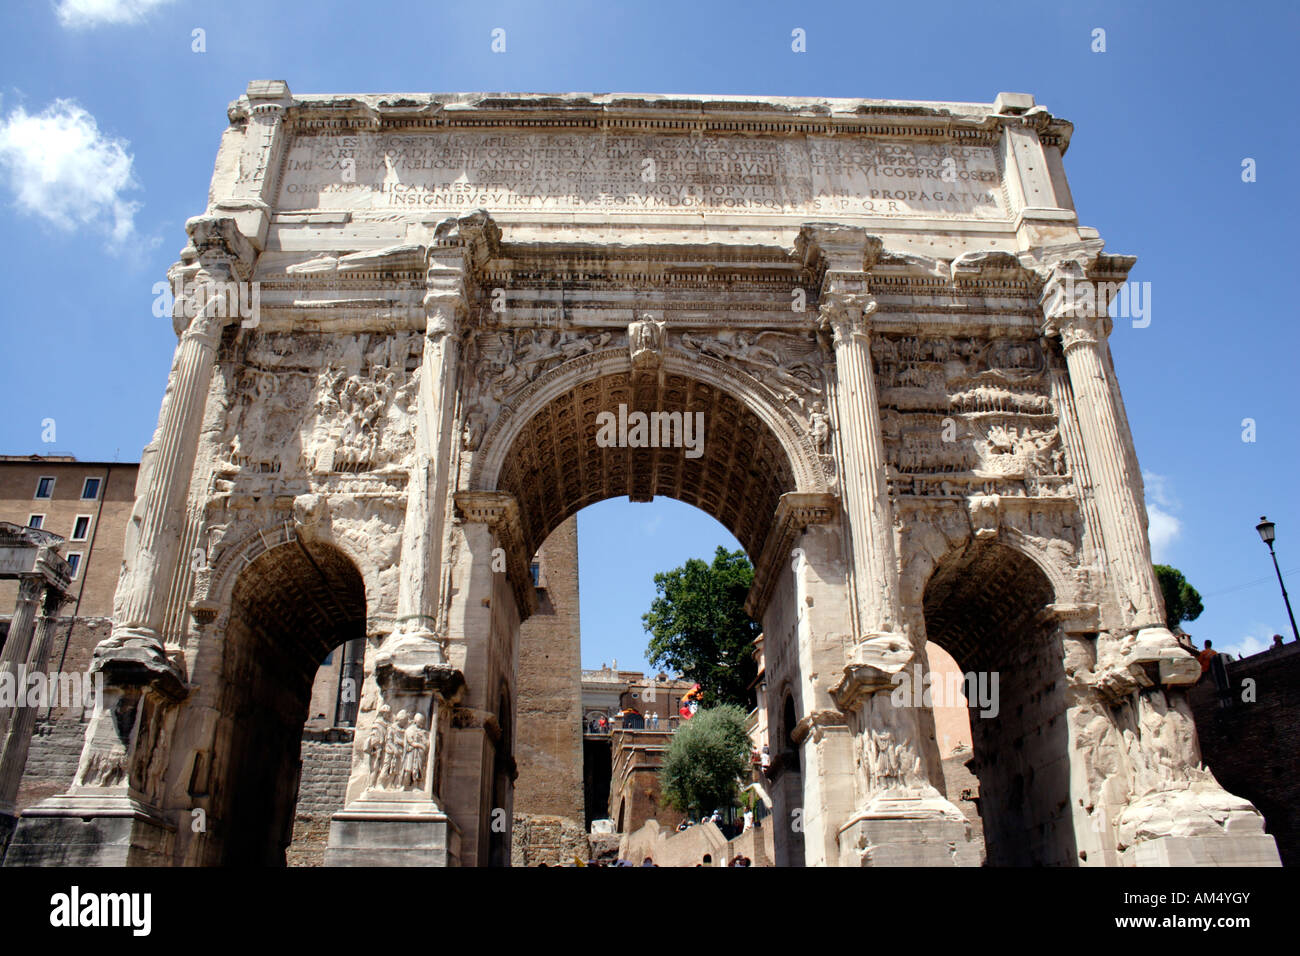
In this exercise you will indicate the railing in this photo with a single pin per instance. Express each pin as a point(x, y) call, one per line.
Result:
point(665, 724)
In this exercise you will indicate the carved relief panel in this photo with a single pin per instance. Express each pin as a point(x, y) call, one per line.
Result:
point(963, 415)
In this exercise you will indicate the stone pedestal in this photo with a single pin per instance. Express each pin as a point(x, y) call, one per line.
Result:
point(903, 818)
point(908, 831)
point(398, 831)
point(91, 830)
point(397, 819)
point(109, 815)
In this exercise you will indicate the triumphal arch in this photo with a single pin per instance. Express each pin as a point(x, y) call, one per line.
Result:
point(895, 331)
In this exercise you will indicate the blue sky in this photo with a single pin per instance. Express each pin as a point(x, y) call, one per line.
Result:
point(108, 131)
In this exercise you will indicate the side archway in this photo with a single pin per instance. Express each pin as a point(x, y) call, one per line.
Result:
point(288, 609)
point(987, 605)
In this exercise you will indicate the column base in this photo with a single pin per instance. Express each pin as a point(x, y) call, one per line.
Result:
point(392, 831)
point(1201, 825)
point(920, 830)
point(84, 830)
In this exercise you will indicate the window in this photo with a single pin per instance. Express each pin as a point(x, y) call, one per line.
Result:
point(90, 490)
point(45, 488)
point(81, 528)
point(534, 572)
point(35, 521)
point(74, 560)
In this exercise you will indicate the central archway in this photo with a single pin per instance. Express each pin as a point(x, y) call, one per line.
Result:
point(546, 451)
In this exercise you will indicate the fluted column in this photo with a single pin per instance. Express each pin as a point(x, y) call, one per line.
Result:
point(1076, 314)
point(16, 740)
point(217, 258)
point(862, 453)
point(901, 816)
point(18, 644)
point(420, 581)
point(1067, 418)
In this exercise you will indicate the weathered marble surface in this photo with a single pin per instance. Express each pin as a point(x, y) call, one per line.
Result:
point(913, 434)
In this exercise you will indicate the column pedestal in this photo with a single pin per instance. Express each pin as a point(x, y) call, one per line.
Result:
point(109, 817)
point(399, 819)
point(902, 819)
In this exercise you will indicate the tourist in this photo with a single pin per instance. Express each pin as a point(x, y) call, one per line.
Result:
point(1206, 656)
point(749, 821)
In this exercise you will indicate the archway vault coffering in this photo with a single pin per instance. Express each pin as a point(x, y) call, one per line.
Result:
point(543, 448)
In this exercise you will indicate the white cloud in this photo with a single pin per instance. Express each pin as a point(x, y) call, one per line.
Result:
point(84, 14)
point(1248, 644)
point(1163, 527)
point(61, 168)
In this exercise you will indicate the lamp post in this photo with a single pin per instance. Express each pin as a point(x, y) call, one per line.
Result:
point(1267, 534)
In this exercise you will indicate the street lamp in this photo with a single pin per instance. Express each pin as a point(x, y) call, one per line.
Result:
point(1267, 533)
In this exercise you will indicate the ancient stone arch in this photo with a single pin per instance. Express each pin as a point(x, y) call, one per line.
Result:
point(893, 331)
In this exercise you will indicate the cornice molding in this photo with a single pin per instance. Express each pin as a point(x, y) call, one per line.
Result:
point(966, 123)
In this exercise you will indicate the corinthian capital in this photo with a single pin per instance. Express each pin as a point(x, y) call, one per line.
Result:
point(846, 314)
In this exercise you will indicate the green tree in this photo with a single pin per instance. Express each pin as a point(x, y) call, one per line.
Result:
point(705, 761)
point(699, 628)
point(1182, 602)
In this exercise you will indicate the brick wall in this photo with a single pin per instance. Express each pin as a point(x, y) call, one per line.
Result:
point(962, 789)
point(322, 790)
point(52, 760)
point(101, 551)
point(548, 741)
point(1253, 748)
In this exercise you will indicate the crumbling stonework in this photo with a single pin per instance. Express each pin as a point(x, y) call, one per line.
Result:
point(542, 838)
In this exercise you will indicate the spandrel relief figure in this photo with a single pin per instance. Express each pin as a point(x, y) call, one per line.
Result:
point(819, 426)
point(539, 348)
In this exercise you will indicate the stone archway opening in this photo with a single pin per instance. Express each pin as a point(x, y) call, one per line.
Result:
point(290, 608)
point(734, 471)
point(986, 606)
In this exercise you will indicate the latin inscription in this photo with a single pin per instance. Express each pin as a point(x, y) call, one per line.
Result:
point(640, 173)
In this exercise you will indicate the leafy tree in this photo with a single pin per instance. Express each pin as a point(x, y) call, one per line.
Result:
point(1182, 602)
point(705, 761)
point(699, 628)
